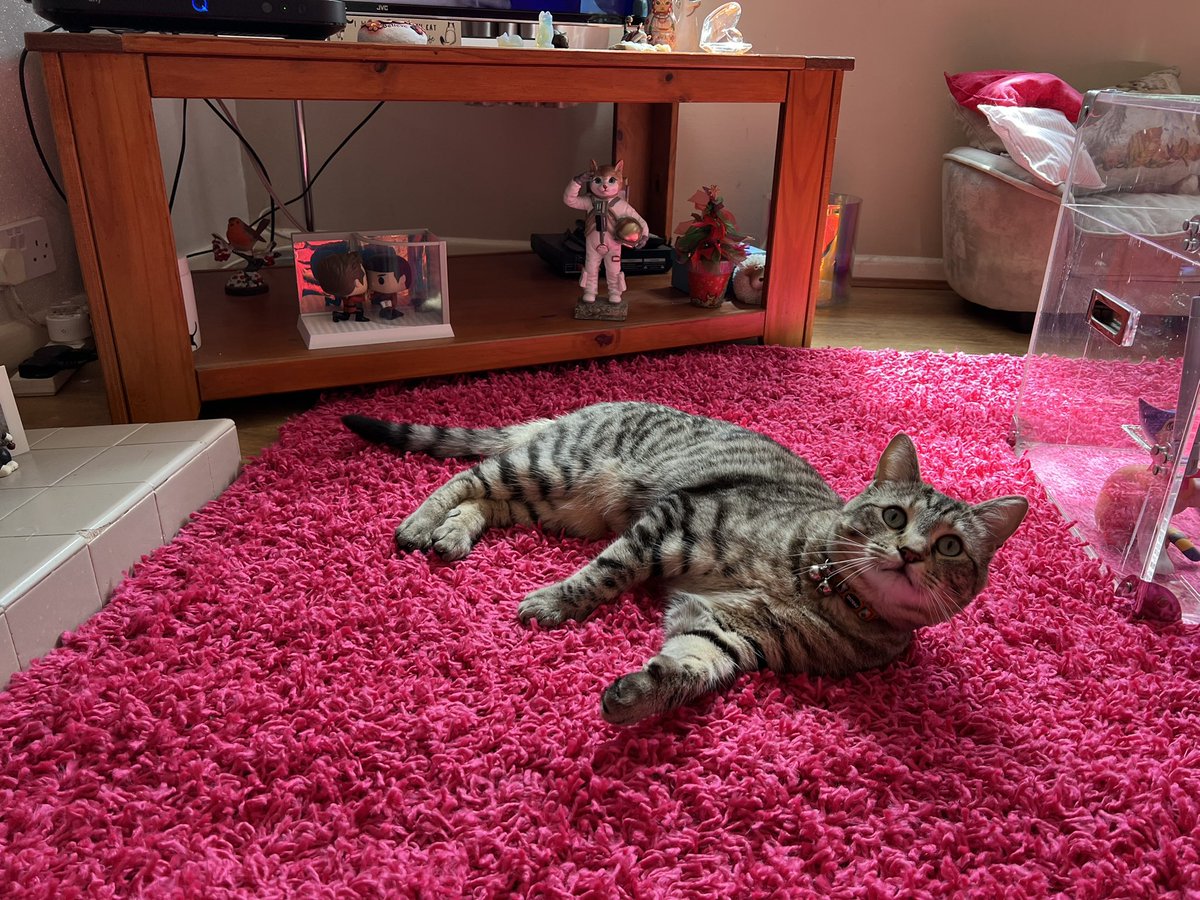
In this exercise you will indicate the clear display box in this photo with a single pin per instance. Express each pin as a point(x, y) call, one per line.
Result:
point(1106, 415)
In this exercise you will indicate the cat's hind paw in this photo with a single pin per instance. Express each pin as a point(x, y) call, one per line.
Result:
point(632, 697)
point(455, 537)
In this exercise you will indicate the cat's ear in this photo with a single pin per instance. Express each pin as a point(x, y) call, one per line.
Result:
point(594, 167)
point(1002, 516)
point(620, 166)
point(899, 462)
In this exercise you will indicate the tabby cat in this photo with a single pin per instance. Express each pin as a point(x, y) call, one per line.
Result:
point(765, 566)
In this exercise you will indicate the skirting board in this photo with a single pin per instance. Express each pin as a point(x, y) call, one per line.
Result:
point(867, 267)
point(898, 268)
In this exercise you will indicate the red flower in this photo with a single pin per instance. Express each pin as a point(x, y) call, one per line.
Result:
point(712, 233)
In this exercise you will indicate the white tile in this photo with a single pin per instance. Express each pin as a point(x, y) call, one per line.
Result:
point(203, 431)
point(62, 601)
point(73, 509)
point(36, 435)
point(88, 436)
point(44, 467)
point(10, 500)
point(9, 664)
point(182, 494)
point(152, 463)
point(29, 559)
point(123, 543)
point(224, 460)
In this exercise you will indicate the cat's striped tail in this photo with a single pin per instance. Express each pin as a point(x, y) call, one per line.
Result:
point(439, 441)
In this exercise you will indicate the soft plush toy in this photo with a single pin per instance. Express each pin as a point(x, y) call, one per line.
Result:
point(1130, 490)
point(748, 279)
point(8, 465)
point(375, 32)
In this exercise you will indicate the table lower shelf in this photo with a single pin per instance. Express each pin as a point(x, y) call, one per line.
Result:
point(506, 310)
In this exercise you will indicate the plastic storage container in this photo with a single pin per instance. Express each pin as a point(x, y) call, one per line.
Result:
point(1106, 415)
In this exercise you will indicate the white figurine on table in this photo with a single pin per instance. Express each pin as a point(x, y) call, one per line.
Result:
point(687, 26)
point(610, 224)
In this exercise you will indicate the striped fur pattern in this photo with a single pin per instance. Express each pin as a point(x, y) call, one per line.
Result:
point(729, 521)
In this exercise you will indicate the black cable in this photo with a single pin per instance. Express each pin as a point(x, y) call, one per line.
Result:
point(246, 144)
point(336, 150)
point(179, 164)
point(37, 144)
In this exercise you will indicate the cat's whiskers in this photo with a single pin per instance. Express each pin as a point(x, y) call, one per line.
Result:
point(941, 603)
point(853, 568)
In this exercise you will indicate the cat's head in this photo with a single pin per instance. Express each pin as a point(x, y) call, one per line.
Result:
point(915, 555)
point(607, 181)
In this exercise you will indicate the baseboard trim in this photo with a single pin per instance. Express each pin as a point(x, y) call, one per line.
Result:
point(465, 246)
point(898, 270)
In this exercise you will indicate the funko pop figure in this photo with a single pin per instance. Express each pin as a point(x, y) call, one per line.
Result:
point(342, 276)
point(389, 278)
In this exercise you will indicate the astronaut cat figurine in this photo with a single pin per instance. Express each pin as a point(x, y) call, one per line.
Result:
point(610, 223)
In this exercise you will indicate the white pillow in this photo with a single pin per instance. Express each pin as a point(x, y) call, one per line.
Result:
point(1041, 142)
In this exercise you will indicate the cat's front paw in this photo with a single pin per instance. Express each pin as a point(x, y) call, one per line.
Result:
point(632, 697)
point(412, 536)
point(551, 606)
point(454, 538)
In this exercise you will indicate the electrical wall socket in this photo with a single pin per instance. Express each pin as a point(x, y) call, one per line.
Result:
point(31, 238)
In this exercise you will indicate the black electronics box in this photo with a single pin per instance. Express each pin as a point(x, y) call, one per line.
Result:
point(306, 19)
point(564, 253)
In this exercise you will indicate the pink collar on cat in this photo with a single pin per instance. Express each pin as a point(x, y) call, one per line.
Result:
point(826, 584)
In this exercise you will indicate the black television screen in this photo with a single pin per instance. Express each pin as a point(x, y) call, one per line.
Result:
point(561, 10)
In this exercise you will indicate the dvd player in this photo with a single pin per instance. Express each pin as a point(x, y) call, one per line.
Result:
point(564, 253)
point(309, 19)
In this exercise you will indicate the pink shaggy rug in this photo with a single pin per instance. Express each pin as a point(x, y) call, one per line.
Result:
point(276, 704)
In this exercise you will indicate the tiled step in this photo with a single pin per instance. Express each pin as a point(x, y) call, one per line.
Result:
point(84, 506)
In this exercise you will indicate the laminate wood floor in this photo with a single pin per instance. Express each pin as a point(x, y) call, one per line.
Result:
point(874, 318)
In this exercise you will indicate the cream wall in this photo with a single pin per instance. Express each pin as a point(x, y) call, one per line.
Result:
point(497, 172)
point(896, 120)
point(25, 191)
point(211, 186)
point(465, 171)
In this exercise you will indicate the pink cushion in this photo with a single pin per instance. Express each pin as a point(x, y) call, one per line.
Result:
point(1004, 88)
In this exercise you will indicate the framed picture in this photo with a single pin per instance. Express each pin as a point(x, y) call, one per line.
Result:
point(10, 418)
point(371, 287)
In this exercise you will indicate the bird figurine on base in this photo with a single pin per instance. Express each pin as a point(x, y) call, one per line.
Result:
point(241, 240)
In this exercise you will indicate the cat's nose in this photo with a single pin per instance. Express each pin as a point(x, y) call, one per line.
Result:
point(910, 556)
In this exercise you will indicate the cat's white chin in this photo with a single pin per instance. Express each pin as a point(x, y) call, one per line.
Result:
point(901, 603)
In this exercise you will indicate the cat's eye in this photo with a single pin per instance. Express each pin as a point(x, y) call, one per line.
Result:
point(612, 179)
point(948, 545)
point(894, 517)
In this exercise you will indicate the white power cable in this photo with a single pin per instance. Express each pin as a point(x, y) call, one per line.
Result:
point(21, 307)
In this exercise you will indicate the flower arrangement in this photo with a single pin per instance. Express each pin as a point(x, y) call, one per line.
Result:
point(711, 236)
